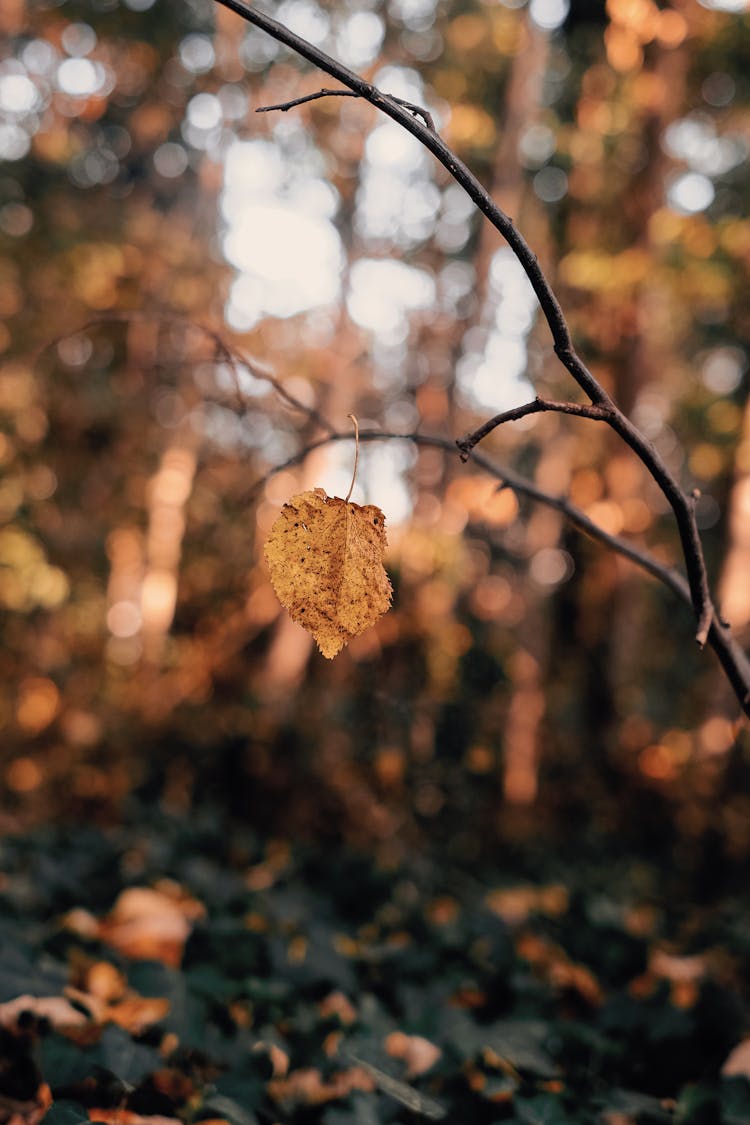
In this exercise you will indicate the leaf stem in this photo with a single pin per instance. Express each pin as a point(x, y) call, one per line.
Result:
point(356, 455)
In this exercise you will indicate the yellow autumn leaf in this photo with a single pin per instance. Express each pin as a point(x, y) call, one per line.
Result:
point(325, 556)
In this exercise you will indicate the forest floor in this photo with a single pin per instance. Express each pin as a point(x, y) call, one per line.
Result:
point(179, 971)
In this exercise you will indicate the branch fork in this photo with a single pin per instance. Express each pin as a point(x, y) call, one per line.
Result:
point(600, 407)
point(538, 406)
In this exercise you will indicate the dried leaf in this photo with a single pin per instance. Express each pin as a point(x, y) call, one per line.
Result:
point(419, 1054)
point(121, 1116)
point(737, 1062)
point(308, 1087)
point(137, 1013)
point(56, 1009)
point(325, 556)
point(132, 1012)
point(106, 982)
point(149, 924)
point(678, 969)
point(26, 1112)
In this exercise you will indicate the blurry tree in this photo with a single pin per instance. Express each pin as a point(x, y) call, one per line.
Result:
point(522, 667)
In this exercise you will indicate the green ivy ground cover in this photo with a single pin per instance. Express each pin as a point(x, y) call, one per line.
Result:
point(181, 971)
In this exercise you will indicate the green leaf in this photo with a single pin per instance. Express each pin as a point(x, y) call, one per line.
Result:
point(522, 1044)
point(21, 974)
point(698, 1105)
point(66, 1113)
point(635, 1105)
point(361, 1110)
point(232, 1111)
point(734, 1096)
point(63, 1063)
point(544, 1109)
point(130, 1061)
point(498, 1088)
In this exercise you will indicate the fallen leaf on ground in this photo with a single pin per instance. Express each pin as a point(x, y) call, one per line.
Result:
point(515, 904)
point(308, 1087)
point(132, 1012)
point(31, 1112)
point(325, 556)
point(148, 924)
point(56, 1009)
point(737, 1062)
point(136, 1013)
point(677, 967)
point(419, 1054)
point(120, 1116)
point(105, 981)
point(337, 1004)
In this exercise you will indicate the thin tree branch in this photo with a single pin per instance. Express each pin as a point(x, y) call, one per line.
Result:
point(260, 371)
point(223, 351)
point(538, 406)
point(283, 107)
point(457, 169)
point(731, 656)
point(684, 509)
point(681, 504)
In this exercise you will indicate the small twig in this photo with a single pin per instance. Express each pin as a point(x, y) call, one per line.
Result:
point(283, 107)
point(538, 406)
point(356, 455)
point(260, 371)
point(400, 1091)
point(417, 110)
point(223, 350)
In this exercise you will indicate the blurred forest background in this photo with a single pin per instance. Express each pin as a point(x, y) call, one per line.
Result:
point(164, 249)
